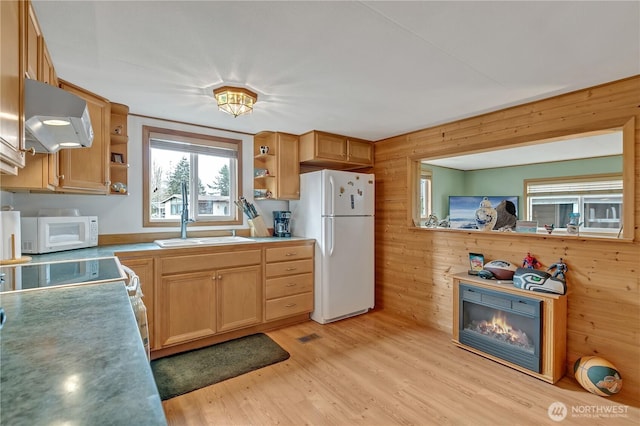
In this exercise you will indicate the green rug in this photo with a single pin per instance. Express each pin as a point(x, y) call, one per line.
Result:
point(182, 373)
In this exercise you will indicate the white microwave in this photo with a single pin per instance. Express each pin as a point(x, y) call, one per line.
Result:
point(57, 233)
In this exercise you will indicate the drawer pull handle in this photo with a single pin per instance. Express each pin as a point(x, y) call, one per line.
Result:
point(290, 305)
point(292, 285)
point(291, 254)
point(291, 269)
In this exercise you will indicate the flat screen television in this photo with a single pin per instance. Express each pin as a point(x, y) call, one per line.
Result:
point(462, 209)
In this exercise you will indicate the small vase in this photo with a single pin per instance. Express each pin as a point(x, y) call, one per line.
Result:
point(486, 215)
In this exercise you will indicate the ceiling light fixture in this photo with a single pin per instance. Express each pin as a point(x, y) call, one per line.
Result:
point(235, 100)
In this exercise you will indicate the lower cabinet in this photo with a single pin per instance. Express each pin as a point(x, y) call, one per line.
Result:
point(188, 307)
point(239, 297)
point(201, 304)
point(289, 283)
point(143, 267)
point(197, 297)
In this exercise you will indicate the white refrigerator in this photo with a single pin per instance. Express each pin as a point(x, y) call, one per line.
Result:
point(336, 209)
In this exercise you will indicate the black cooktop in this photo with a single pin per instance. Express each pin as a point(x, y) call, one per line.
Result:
point(52, 274)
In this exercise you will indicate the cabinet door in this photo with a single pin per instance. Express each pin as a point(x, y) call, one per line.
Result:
point(48, 72)
point(360, 151)
point(86, 170)
point(143, 267)
point(331, 147)
point(288, 173)
point(39, 173)
point(239, 297)
point(32, 52)
point(187, 304)
point(11, 83)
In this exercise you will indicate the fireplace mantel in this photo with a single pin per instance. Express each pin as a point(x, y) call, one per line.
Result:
point(553, 349)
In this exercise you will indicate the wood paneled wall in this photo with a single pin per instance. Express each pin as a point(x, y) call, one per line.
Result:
point(414, 266)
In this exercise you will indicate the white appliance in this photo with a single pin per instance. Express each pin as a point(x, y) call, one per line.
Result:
point(46, 234)
point(337, 208)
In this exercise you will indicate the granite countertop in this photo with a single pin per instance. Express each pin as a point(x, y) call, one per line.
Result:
point(73, 355)
point(107, 251)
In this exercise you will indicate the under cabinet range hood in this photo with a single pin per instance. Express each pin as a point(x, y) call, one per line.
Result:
point(54, 119)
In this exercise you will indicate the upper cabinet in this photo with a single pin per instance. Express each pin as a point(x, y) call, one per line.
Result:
point(12, 67)
point(40, 171)
point(24, 54)
point(86, 170)
point(276, 166)
point(119, 153)
point(321, 149)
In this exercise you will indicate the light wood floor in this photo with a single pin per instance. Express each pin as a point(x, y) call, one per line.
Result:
point(376, 369)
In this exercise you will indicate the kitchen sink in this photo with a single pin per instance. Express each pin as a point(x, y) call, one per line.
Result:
point(204, 241)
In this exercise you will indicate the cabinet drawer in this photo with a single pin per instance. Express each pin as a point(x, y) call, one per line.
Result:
point(287, 286)
point(289, 268)
point(199, 262)
point(279, 254)
point(290, 305)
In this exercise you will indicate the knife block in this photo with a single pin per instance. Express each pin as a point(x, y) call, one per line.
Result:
point(258, 227)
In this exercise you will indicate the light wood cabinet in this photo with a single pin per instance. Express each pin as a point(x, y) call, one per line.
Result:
point(32, 50)
point(203, 294)
point(144, 268)
point(119, 149)
point(40, 171)
point(239, 297)
point(86, 170)
point(283, 179)
point(38, 65)
point(188, 303)
point(12, 68)
point(359, 152)
point(196, 297)
point(322, 149)
point(47, 71)
point(289, 281)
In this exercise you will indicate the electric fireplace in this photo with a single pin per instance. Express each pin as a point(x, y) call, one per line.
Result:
point(501, 324)
point(519, 328)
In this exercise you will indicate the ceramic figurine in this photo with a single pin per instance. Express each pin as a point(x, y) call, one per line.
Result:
point(486, 215)
point(432, 222)
point(549, 228)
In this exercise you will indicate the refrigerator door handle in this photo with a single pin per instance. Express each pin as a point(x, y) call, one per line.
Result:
point(332, 235)
point(332, 197)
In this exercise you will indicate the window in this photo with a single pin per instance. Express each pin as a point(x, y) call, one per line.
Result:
point(425, 194)
point(598, 200)
point(210, 166)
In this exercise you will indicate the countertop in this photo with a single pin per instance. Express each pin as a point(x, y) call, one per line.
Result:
point(73, 355)
point(106, 251)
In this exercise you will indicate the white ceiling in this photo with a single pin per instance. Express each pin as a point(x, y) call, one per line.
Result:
point(363, 69)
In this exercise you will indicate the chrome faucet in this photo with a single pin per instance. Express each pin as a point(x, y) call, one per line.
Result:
point(184, 219)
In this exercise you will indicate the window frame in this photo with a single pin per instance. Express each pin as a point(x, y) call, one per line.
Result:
point(578, 197)
point(202, 139)
point(425, 193)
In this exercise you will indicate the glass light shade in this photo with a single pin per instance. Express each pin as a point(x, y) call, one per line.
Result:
point(235, 100)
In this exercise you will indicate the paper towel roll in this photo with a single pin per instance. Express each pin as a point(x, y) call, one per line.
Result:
point(11, 247)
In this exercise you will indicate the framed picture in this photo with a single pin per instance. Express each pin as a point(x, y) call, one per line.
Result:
point(117, 158)
point(462, 209)
point(476, 263)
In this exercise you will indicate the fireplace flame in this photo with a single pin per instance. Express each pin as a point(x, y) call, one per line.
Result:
point(500, 324)
point(499, 329)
